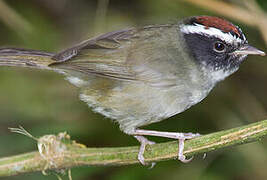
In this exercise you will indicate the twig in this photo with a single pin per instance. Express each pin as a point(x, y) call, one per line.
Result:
point(71, 154)
point(100, 17)
point(14, 20)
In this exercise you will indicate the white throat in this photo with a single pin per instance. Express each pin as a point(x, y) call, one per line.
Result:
point(219, 75)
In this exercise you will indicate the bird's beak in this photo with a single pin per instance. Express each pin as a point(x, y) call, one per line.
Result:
point(247, 49)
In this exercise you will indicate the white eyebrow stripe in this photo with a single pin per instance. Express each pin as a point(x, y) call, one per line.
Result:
point(211, 31)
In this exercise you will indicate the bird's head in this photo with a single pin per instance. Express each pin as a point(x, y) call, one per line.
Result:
point(216, 44)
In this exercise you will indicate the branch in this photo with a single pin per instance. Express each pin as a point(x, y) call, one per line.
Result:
point(59, 152)
point(14, 20)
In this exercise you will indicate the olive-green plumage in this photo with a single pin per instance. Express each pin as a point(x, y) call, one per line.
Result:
point(139, 76)
point(130, 75)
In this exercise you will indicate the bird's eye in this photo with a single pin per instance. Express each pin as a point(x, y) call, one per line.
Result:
point(219, 47)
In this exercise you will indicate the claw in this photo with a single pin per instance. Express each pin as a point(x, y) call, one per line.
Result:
point(153, 164)
point(143, 141)
point(204, 155)
point(181, 156)
point(183, 159)
point(139, 133)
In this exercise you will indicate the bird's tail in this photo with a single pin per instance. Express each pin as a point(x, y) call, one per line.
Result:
point(25, 58)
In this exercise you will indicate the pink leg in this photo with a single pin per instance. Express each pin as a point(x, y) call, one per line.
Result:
point(143, 141)
point(139, 133)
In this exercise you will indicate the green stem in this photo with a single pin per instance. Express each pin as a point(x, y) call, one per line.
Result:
point(73, 154)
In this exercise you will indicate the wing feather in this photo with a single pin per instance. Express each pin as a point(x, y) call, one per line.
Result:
point(105, 55)
point(131, 54)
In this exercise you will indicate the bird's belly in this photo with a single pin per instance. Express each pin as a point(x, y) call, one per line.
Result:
point(135, 104)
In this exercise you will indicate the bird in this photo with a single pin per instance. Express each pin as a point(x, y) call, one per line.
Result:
point(143, 75)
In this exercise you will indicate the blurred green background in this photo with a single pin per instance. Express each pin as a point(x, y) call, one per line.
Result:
point(43, 103)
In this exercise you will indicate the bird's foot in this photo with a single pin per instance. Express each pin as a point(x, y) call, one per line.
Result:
point(181, 137)
point(181, 156)
point(143, 141)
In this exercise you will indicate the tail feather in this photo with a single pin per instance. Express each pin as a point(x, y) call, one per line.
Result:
point(25, 58)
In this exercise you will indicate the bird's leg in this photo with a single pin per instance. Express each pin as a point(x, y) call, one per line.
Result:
point(173, 135)
point(143, 141)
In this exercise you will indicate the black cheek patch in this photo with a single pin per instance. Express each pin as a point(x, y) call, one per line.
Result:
point(201, 48)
